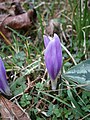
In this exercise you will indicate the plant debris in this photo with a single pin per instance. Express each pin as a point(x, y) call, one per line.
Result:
point(18, 21)
point(10, 111)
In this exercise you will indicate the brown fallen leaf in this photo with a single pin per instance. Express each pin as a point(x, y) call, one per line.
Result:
point(10, 111)
point(2, 6)
point(88, 4)
point(12, 1)
point(17, 22)
point(52, 27)
point(18, 8)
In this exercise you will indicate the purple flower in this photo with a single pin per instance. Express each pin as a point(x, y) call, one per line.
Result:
point(53, 55)
point(4, 88)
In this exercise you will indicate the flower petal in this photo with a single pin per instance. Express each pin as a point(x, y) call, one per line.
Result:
point(53, 57)
point(4, 88)
point(46, 40)
point(58, 51)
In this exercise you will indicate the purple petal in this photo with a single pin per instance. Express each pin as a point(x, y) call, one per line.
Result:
point(4, 88)
point(53, 57)
point(46, 40)
point(58, 51)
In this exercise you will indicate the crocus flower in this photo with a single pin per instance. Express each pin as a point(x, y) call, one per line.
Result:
point(53, 57)
point(4, 88)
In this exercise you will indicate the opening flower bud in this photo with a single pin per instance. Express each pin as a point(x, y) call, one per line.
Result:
point(4, 88)
point(53, 56)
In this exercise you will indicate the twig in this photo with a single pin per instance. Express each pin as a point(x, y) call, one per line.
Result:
point(31, 84)
point(63, 33)
point(22, 109)
point(85, 117)
point(7, 41)
point(69, 53)
point(42, 3)
point(84, 44)
point(16, 96)
point(44, 113)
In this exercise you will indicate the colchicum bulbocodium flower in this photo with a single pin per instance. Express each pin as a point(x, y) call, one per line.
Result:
point(4, 88)
point(53, 57)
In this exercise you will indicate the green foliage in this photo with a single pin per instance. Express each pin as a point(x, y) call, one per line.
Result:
point(39, 86)
point(25, 100)
point(20, 58)
point(80, 74)
point(18, 86)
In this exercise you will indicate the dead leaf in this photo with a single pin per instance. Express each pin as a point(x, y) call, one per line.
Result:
point(18, 8)
point(88, 4)
point(13, 15)
point(52, 27)
point(10, 111)
point(25, 20)
point(2, 6)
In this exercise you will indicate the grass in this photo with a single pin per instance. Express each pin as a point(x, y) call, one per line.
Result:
point(26, 71)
